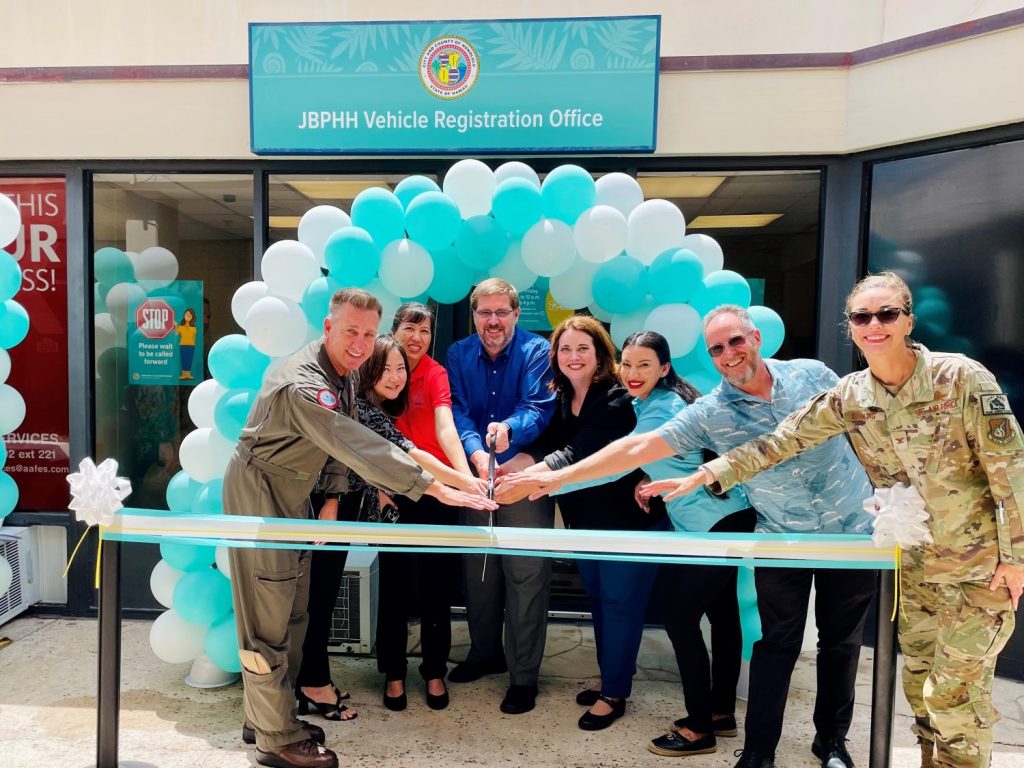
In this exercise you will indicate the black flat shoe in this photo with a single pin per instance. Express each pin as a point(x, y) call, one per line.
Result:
point(519, 699)
point(587, 698)
point(591, 722)
point(334, 711)
point(438, 701)
point(395, 703)
point(468, 672)
point(676, 745)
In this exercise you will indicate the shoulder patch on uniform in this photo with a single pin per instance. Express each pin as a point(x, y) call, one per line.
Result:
point(327, 399)
point(1000, 430)
point(995, 404)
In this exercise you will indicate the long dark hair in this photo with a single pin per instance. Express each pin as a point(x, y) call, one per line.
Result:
point(372, 371)
point(671, 381)
point(604, 350)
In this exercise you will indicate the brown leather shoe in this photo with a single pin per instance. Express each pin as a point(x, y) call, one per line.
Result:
point(301, 754)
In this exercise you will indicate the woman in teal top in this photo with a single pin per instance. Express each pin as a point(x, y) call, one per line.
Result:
point(709, 689)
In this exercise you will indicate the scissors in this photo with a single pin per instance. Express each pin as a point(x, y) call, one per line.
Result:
point(491, 452)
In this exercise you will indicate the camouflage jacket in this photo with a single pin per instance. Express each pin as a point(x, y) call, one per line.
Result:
point(949, 431)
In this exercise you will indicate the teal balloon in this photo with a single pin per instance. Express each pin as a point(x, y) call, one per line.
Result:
point(411, 187)
point(8, 495)
point(13, 324)
point(481, 243)
point(380, 213)
point(935, 314)
point(316, 301)
point(112, 366)
point(202, 596)
point(210, 499)
point(352, 256)
point(236, 364)
point(675, 276)
point(181, 492)
point(10, 276)
point(452, 278)
point(750, 620)
point(221, 644)
point(567, 192)
point(703, 381)
point(111, 266)
point(187, 557)
point(232, 410)
point(722, 287)
point(3, 453)
point(99, 298)
point(620, 285)
point(773, 330)
point(517, 205)
point(433, 220)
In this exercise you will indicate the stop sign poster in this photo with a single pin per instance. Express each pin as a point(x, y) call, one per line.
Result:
point(165, 336)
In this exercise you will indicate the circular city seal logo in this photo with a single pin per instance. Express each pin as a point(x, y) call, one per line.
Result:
point(449, 67)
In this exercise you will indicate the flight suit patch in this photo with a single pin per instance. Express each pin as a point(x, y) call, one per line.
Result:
point(327, 399)
point(1000, 431)
point(995, 404)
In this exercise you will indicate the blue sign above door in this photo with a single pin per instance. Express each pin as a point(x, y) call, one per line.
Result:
point(426, 87)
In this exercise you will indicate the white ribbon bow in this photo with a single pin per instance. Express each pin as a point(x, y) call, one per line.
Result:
point(97, 491)
point(900, 516)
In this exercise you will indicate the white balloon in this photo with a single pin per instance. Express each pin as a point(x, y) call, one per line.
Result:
point(223, 563)
point(619, 190)
point(106, 335)
point(406, 268)
point(12, 409)
point(654, 226)
point(680, 324)
point(155, 267)
point(122, 300)
point(10, 221)
point(600, 233)
point(471, 185)
point(162, 582)
point(513, 269)
point(6, 576)
point(175, 640)
point(276, 326)
point(548, 247)
point(202, 401)
point(625, 325)
point(245, 296)
point(319, 223)
point(5, 365)
point(388, 301)
point(516, 170)
point(288, 267)
point(204, 454)
point(708, 251)
point(574, 288)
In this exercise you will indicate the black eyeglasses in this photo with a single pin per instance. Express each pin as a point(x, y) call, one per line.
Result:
point(886, 316)
point(715, 350)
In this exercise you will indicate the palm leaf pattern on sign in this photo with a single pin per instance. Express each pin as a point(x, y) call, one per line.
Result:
point(308, 42)
point(623, 40)
point(357, 39)
point(581, 29)
point(413, 42)
point(527, 47)
point(265, 36)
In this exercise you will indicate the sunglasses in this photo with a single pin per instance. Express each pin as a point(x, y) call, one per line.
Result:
point(716, 350)
point(886, 316)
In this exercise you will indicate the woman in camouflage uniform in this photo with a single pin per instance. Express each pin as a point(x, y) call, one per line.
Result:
point(937, 422)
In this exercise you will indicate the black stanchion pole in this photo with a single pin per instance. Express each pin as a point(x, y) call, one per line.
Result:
point(108, 700)
point(883, 688)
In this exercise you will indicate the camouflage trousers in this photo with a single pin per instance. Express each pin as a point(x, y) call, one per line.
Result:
point(950, 635)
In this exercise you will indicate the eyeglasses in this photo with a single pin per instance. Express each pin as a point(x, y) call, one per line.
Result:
point(716, 350)
point(886, 316)
point(487, 314)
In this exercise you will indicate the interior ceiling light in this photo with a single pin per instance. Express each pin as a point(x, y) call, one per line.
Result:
point(733, 221)
point(668, 187)
point(336, 189)
point(284, 222)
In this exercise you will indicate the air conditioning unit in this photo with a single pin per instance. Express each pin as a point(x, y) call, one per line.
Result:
point(18, 547)
point(354, 625)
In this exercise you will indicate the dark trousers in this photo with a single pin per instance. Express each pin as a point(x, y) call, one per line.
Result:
point(511, 591)
point(709, 686)
point(325, 575)
point(416, 584)
point(619, 592)
point(842, 600)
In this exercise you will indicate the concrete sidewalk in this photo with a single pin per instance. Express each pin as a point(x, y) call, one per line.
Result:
point(48, 688)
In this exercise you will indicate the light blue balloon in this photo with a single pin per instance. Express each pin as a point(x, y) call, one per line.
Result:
point(99, 296)
point(8, 495)
point(703, 381)
point(352, 256)
point(620, 285)
point(181, 492)
point(210, 499)
point(13, 324)
point(112, 265)
point(567, 192)
point(452, 278)
point(236, 364)
point(232, 410)
point(411, 187)
point(481, 243)
point(675, 276)
point(10, 276)
point(517, 205)
point(433, 220)
point(722, 287)
point(221, 644)
point(316, 301)
point(773, 330)
point(202, 596)
point(381, 214)
point(934, 313)
point(187, 557)
point(3, 453)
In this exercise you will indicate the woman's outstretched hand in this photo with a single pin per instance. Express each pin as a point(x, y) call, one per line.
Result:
point(674, 487)
point(539, 483)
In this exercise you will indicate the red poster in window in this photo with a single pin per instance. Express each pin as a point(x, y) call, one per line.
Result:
point(37, 452)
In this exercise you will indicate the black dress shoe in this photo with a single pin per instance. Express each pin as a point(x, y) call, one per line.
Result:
point(315, 732)
point(467, 671)
point(519, 699)
point(722, 726)
point(395, 703)
point(438, 701)
point(748, 758)
point(832, 752)
point(587, 698)
point(676, 745)
point(591, 722)
point(302, 754)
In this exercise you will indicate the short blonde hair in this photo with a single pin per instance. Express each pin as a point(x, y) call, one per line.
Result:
point(495, 286)
point(357, 297)
point(888, 280)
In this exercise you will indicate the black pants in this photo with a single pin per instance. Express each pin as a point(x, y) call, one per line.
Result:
point(416, 584)
point(326, 571)
point(699, 590)
point(842, 600)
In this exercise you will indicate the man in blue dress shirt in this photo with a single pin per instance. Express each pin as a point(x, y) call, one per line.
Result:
point(500, 393)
